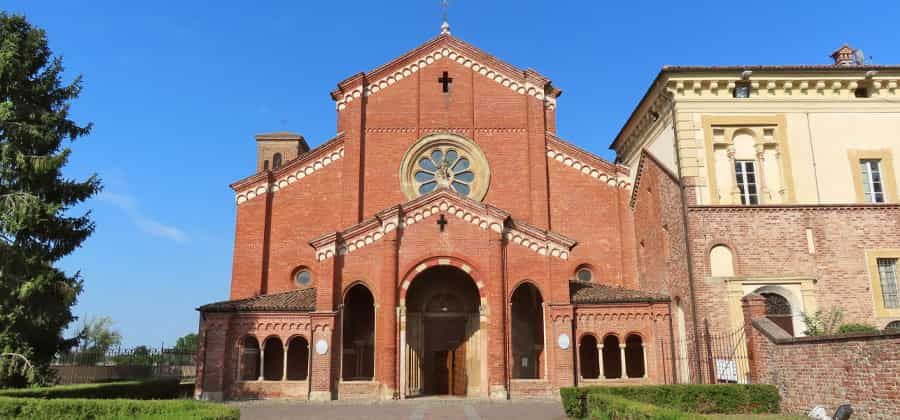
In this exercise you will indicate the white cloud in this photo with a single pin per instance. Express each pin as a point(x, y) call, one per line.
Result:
point(129, 205)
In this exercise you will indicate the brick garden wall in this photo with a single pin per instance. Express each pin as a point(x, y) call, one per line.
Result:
point(860, 369)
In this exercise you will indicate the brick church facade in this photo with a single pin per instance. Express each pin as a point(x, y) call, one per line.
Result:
point(447, 242)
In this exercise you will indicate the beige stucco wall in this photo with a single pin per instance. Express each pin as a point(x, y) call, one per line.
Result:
point(834, 134)
point(819, 144)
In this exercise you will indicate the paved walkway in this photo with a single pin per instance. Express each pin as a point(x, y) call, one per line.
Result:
point(414, 409)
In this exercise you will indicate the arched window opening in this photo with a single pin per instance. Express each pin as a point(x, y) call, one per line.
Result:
point(721, 261)
point(584, 273)
point(527, 331)
point(298, 359)
point(249, 370)
point(589, 358)
point(273, 359)
point(778, 310)
point(893, 326)
point(612, 360)
point(276, 161)
point(358, 334)
point(634, 357)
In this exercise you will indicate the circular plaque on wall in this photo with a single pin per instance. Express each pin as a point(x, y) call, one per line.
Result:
point(563, 341)
point(321, 347)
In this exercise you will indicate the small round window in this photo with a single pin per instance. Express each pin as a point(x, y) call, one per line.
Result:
point(302, 277)
point(584, 274)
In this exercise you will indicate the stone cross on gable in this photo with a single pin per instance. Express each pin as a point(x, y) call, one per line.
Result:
point(445, 80)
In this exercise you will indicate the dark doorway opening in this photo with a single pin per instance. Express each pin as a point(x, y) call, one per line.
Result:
point(527, 312)
point(442, 319)
point(358, 362)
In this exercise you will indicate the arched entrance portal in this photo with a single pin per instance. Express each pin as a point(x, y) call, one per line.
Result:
point(443, 340)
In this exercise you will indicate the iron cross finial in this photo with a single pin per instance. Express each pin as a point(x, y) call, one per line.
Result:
point(445, 27)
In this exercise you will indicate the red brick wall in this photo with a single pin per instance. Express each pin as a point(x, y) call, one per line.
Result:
point(771, 241)
point(860, 369)
point(273, 232)
point(659, 231)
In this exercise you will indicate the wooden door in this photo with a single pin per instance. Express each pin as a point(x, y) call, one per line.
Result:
point(443, 366)
point(459, 380)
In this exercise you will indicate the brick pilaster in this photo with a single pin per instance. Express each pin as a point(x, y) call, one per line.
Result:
point(754, 307)
point(386, 341)
point(322, 375)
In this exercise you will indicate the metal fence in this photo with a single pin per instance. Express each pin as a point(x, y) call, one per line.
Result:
point(82, 366)
point(712, 359)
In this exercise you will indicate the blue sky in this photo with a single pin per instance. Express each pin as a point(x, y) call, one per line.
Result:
point(176, 90)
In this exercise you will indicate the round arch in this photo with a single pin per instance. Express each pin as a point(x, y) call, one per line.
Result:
point(430, 262)
point(721, 259)
point(355, 283)
point(526, 282)
point(443, 347)
point(796, 306)
point(527, 331)
point(358, 332)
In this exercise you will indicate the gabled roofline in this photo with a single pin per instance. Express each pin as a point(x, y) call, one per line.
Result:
point(445, 46)
point(645, 155)
point(441, 201)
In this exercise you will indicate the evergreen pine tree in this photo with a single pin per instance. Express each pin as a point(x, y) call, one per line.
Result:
point(36, 224)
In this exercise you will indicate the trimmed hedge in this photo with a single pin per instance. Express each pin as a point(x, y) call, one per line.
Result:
point(74, 409)
point(154, 389)
point(608, 406)
point(700, 399)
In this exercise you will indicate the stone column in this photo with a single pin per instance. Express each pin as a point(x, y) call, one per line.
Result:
point(600, 360)
point(622, 352)
point(644, 354)
point(284, 365)
point(262, 361)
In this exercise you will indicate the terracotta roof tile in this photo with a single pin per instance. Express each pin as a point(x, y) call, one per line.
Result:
point(600, 293)
point(294, 301)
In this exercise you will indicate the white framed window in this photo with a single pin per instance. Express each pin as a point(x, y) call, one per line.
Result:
point(745, 177)
point(887, 274)
point(873, 188)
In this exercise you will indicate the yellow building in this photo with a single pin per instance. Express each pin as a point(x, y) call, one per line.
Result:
point(789, 184)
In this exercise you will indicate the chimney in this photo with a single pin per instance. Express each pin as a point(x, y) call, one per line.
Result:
point(844, 56)
point(276, 149)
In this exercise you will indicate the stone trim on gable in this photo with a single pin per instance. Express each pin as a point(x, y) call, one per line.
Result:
point(521, 85)
point(645, 154)
point(293, 171)
point(587, 163)
point(441, 201)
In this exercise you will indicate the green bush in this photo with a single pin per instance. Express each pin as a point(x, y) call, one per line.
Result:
point(608, 406)
point(154, 389)
point(74, 409)
point(856, 328)
point(700, 399)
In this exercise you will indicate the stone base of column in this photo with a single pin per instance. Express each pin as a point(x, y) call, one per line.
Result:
point(387, 393)
point(498, 392)
point(211, 396)
point(320, 396)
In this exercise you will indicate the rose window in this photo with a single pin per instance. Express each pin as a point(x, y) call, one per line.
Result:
point(444, 161)
point(444, 167)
